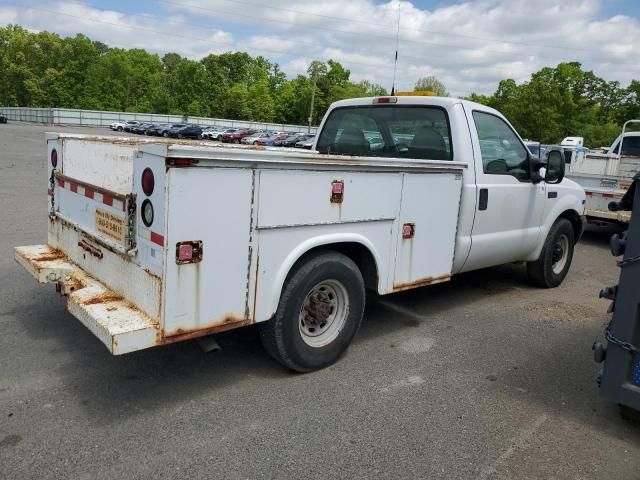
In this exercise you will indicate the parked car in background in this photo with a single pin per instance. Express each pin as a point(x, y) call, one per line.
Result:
point(129, 125)
point(120, 126)
point(173, 126)
point(269, 141)
point(253, 139)
point(3, 118)
point(141, 128)
point(187, 131)
point(215, 133)
point(157, 128)
point(306, 143)
point(291, 139)
point(235, 137)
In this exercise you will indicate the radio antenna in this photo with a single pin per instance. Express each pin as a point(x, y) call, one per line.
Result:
point(395, 63)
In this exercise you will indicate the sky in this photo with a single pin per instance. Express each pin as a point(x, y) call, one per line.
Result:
point(469, 45)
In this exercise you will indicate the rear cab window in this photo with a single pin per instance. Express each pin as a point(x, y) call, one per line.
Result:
point(410, 131)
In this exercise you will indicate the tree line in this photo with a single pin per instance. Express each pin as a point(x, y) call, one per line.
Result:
point(45, 70)
point(564, 101)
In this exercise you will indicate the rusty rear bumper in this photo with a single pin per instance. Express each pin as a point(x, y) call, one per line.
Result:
point(118, 323)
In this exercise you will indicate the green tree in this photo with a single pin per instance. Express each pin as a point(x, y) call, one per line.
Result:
point(431, 83)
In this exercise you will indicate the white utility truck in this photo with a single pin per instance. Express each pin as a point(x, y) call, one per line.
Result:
point(607, 175)
point(156, 241)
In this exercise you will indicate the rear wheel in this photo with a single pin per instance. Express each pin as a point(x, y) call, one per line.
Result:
point(119, 129)
point(236, 141)
point(219, 138)
point(555, 259)
point(319, 313)
point(165, 134)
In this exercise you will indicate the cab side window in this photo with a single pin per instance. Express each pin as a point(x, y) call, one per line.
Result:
point(501, 150)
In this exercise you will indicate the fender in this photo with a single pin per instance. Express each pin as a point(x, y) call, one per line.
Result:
point(273, 297)
point(569, 200)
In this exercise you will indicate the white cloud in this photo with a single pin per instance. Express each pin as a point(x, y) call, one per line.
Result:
point(470, 45)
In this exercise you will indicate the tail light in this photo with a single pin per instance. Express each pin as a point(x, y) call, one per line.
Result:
point(148, 182)
point(54, 158)
point(147, 212)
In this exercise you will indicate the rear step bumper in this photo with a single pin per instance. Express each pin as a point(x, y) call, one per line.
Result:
point(121, 326)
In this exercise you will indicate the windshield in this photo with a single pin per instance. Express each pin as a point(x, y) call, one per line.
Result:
point(388, 131)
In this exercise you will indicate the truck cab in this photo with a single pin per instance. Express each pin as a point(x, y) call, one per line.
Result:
point(507, 208)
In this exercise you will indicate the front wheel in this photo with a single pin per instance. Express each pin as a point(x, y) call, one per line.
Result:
point(319, 313)
point(555, 259)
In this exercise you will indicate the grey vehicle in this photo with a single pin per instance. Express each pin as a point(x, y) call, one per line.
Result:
point(307, 143)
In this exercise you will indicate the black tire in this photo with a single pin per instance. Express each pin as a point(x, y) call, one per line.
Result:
point(119, 129)
point(236, 141)
point(219, 138)
point(282, 336)
point(165, 134)
point(559, 244)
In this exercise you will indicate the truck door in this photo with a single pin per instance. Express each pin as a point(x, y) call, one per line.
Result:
point(509, 207)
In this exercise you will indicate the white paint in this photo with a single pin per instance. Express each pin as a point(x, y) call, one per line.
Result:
point(517, 443)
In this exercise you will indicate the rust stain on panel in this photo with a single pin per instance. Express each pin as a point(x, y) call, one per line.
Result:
point(106, 297)
point(227, 322)
point(423, 282)
point(51, 255)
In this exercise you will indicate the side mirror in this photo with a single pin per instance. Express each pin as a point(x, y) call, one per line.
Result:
point(555, 167)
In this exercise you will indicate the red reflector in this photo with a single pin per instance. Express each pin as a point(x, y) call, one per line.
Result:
point(408, 230)
point(337, 191)
point(385, 100)
point(189, 252)
point(54, 158)
point(607, 195)
point(148, 182)
point(185, 252)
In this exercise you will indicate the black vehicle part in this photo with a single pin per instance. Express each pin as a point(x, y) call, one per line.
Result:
point(556, 256)
point(319, 313)
point(620, 379)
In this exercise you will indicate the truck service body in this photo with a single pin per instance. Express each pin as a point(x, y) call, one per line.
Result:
point(607, 175)
point(157, 241)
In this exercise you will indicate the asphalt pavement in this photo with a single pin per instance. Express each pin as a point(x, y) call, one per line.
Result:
point(484, 377)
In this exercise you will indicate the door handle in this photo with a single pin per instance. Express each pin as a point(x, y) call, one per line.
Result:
point(484, 199)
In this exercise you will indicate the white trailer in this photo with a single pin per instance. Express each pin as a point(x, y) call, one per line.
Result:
point(607, 175)
point(155, 242)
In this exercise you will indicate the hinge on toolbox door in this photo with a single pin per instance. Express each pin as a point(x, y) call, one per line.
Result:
point(131, 224)
point(52, 186)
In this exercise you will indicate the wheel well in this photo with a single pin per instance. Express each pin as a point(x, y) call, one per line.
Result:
point(357, 252)
point(576, 223)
